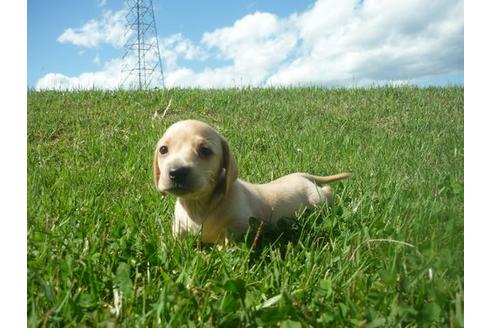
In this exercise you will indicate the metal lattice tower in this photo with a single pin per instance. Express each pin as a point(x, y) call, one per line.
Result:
point(142, 65)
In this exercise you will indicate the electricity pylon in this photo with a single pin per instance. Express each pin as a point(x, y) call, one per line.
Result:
point(142, 65)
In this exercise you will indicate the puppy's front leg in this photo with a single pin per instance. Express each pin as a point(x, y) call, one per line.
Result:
point(182, 223)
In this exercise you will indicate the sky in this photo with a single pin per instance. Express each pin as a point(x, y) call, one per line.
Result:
point(217, 44)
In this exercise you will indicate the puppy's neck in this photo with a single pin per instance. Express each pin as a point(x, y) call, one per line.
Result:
point(200, 209)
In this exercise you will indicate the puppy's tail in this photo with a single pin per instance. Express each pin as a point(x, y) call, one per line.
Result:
point(326, 179)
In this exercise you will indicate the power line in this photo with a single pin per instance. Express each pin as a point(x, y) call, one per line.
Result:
point(142, 64)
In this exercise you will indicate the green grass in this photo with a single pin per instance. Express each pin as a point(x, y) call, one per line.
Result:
point(99, 231)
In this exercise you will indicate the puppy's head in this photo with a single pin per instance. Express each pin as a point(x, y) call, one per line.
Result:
point(193, 161)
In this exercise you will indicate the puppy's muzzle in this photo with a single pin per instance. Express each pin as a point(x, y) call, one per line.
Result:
point(179, 174)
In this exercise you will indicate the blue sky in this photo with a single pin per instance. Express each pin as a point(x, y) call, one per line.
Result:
point(78, 44)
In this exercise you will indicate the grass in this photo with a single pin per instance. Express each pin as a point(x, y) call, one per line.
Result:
point(388, 253)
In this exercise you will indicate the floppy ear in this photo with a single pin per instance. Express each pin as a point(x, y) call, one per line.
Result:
point(230, 167)
point(157, 172)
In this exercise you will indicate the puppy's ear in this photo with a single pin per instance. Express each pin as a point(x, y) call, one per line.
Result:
point(230, 167)
point(157, 171)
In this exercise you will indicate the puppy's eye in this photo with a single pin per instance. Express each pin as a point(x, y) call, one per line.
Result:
point(205, 152)
point(163, 150)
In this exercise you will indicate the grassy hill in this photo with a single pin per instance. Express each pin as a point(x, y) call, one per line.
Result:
point(388, 253)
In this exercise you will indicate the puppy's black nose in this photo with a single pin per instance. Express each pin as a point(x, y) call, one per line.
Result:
point(179, 174)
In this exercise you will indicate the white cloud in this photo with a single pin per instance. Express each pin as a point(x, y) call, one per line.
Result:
point(255, 44)
point(114, 73)
point(223, 77)
point(381, 40)
point(176, 46)
point(108, 78)
point(331, 43)
point(108, 30)
point(101, 3)
point(336, 43)
point(258, 42)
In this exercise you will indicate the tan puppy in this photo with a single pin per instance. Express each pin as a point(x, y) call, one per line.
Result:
point(193, 162)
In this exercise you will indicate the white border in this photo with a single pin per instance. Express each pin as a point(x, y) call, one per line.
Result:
point(13, 127)
point(478, 164)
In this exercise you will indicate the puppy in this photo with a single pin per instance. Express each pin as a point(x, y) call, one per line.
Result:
point(195, 164)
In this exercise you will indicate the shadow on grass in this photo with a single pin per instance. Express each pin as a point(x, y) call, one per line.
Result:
point(262, 235)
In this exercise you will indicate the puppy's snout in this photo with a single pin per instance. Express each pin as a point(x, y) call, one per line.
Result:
point(179, 174)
